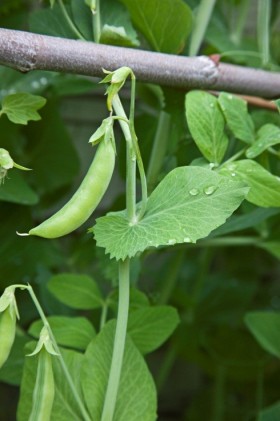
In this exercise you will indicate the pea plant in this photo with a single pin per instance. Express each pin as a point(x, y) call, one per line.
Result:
point(102, 301)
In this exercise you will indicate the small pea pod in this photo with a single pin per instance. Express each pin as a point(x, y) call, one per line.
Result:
point(44, 391)
point(7, 334)
point(84, 201)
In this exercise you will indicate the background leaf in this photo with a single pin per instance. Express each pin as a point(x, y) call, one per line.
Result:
point(206, 124)
point(264, 187)
point(265, 327)
point(22, 107)
point(237, 117)
point(268, 135)
point(150, 327)
point(271, 413)
point(73, 332)
point(16, 190)
point(165, 23)
point(187, 205)
point(136, 396)
point(76, 291)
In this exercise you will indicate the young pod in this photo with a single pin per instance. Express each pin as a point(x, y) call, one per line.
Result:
point(84, 201)
point(7, 334)
point(44, 391)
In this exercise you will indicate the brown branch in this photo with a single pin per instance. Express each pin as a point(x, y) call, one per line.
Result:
point(25, 51)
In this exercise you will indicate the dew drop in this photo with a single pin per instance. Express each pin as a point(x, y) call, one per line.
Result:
point(35, 84)
point(233, 174)
point(194, 192)
point(212, 165)
point(209, 190)
point(43, 81)
point(230, 96)
point(211, 105)
point(187, 240)
point(172, 241)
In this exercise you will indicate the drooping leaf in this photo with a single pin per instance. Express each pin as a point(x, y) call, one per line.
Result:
point(187, 205)
point(164, 23)
point(117, 28)
point(268, 135)
point(206, 124)
point(76, 291)
point(264, 187)
point(74, 332)
point(136, 395)
point(22, 107)
point(265, 327)
point(237, 117)
point(16, 190)
point(150, 327)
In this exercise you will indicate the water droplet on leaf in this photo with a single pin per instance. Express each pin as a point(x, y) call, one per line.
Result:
point(187, 240)
point(194, 192)
point(233, 174)
point(172, 241)
point(209, 190)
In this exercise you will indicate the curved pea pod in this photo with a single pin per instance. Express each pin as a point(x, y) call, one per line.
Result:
point(7, 334)
point(85, 200)
point(44, 391)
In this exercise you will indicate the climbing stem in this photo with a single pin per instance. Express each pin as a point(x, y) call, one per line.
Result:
point(159, 149)
point(119, 343)
point(96, 16)
point(67, 375)
point(69, 21)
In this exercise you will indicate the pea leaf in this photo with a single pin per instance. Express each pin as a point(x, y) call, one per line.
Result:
point(268, 135)
point(164, 23)
point(15, 189)
point(271, 413)
point(265, 327)
point(264, 187)
point(273, 247)
point(206, 124)
point(117, 29)
point(74, 332)
point(136, 395)
point(187, 205)
point(22, 107)
point(237, 117)
point(150, 327)
point(76, 291)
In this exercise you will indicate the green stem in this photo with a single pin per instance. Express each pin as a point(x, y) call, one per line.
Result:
point(241, 21)
point(201, 21)
point(219, 394)
point(159, 149)
point(61, 360)
point(263, 29)
point(119, 343)
point(229, 241)
point(130, 160)
point(171, 277)
point(234, 157)
point(96, 17)
point(70, 22)
point(103, 315)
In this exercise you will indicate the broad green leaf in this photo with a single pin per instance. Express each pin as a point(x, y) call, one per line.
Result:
point(272, 247)
point(74, 332)
point(150, 327)
point(241, 222)
point(136, 395)
point(271, 413)
point(268, 135)
point(265, 326)
point(117, 28)
point(206, 124)
point(65, 407)
point(237, 117)
point(76, 291)
point(264, 187)
point(50, 22)
point(21, 108)
point(82, 18)
point(187, 205)
point(15, 189)
point(166, 24)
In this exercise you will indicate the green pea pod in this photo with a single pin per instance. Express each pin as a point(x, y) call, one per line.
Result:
point(80, 207)
point(44, 391)
point(7, 334)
